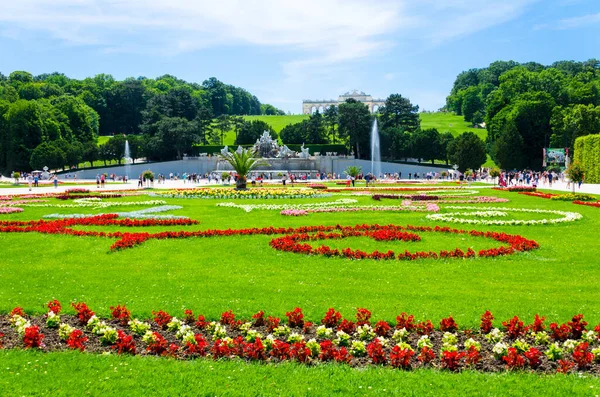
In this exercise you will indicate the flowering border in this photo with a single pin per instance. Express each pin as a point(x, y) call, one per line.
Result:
point(294, 242)
point(128, 240)
point(457, 217)
point(407, 344)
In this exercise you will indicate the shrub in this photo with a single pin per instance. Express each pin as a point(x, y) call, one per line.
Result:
point(587, 153)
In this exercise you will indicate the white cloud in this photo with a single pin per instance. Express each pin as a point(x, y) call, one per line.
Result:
point(576, 22)
point(326, 32)
point(326, 40)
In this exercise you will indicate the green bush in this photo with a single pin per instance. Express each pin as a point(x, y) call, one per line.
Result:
point(587, 153)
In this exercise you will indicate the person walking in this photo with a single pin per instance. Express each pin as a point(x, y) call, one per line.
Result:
point(29, 181)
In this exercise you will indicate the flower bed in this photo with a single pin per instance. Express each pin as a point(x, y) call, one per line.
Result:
point(596, 204)
point(459, 217)
point(294, 242)
point(97, 203)
point(430, 207)
point(538, 194)
point(516, 189)
point(10, 210)
point(573, 197)
point(279, 207)
point(148, 213)
point(252, 193)
point(131, 239)
point(361, 341)
point(415, 197)
point(317, 186)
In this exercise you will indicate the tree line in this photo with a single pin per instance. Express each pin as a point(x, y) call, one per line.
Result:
point(529, 106)
point(401, 135)
point(62, 117)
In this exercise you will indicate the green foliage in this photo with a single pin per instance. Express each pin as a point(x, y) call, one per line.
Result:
point(252, 130)
point(587, 153)
point(467, 151)
point(242, 162)
point(355, 126)
point(508, 148)
point(48, 154)
point(575, 174)
point(550, 105)
point(353, 171)
point(311, 131)
point(148, 175)
point(399, 112)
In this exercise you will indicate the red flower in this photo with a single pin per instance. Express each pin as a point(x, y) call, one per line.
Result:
point(295, 318)
point(121, 313)
point(451, 360)
point(400, 358)
point(332, 318)
point(486, 322)
point(448, 325)
point(54, 306)
point(376, 352)
point(77, 340)
point(513, 359)
point(33, 337)
point(124, 344)
point(161, 318)
point(83, 312)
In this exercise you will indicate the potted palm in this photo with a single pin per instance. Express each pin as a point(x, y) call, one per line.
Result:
point(243, 162)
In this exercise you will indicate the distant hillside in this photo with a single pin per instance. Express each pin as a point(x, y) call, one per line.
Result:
point(443, 122)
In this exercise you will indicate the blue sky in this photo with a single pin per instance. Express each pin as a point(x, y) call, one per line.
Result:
point(285, 51)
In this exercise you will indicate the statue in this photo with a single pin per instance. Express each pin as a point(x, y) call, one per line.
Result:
point(266, 146)
point(304, 152)
point(225, 150)
point(285, 152)
point(239, 150)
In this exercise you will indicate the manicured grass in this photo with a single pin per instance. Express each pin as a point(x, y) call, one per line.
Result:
point(449, 122)
point(102, 139)
point(73, 373)
point(211, 275)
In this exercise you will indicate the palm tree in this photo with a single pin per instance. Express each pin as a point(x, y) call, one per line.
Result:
point(353, 171)
point(243, 162)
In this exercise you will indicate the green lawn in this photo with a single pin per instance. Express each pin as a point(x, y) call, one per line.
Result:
point(449, 122)
point(212, 275)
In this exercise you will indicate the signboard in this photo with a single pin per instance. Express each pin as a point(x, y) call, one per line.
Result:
point(555, 156)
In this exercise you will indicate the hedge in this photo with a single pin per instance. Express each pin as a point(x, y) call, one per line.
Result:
point(587, 153)
point(312, 149)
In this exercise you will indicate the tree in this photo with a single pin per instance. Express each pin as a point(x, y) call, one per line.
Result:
point(47, 154)
point(446, 139)
point(203, 122)
point(315, 129)
point(237, 122)
point(252, 130)
point(508, 148)
point(177, 136)
point(223, 123)
point(398, 112)
point(426, 144)
point(575, 173)
point(293, 133)
point(353, 171)
point(242, 162)
point(471, 103)
point(355, 125)
point(467, 151)
point(331, 118)
point(91, 153)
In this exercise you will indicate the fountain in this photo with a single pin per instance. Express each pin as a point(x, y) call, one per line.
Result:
point(128, 160)
point(375, 151)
